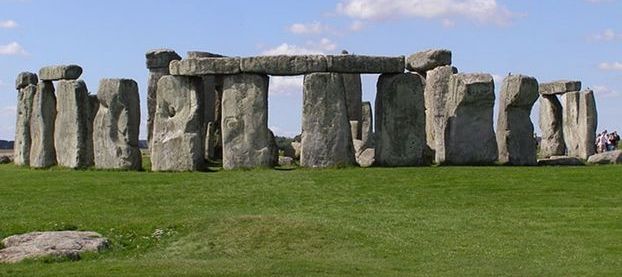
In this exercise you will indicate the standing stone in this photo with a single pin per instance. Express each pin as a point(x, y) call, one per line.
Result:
point(178, 139)
point(400, 120)
point(158, 64)
point(469, 137)
point(354, 98)
point(42, 152)
point(26, 85)
point(326, 136)
point(580, 122)
point(551, 125)
point(73, 138)
point(367, 127)
point(211, 99)
point(247, 141)
point(116, 125)
point(436, 91)
point(516, 142)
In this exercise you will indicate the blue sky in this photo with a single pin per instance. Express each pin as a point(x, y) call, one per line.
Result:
point(550, 40)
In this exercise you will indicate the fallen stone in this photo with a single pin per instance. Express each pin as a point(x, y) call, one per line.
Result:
point(42, 151)
point(611, 157)
point(400, 120)
point(5, 160)
point(73, 139)
point(25, 98)
point(559, 87)
point(284, 65)
point(435, 93)
point(116, 125)
point(160, 58)
point(365, 64)
point(178, 136)
point(326, 136)
point(515, 136)
point(560, 161)
point(247, 141)
point(25, 79)
point(366, 158)
point(158, 61)
point(205, 66)
point(426, 60)
point(286, 161)
point(69, 244)
point(469, 137)
point(580, 122)
point(551, 126)
point(367, 127)
point(60, 72)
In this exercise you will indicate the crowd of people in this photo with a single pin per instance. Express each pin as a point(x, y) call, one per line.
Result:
point(607, 141)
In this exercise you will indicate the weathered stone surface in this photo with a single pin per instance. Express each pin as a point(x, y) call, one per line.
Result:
point(116, 125)
point(284, 65)
point(426, 60)
point(297, 149)
point(515, 137)
point(580, 122)
point(551, 126)
point(366, 158)
point(400, 120)
point(365, 64)
point(611, 157)
point(94, 107)
point(202, 54)
point(367, 127)
point(205, 66)
point(60, 72)
point(210, 141)
point(5, 160)
point(247, 141)
point(42, 120)
point(158, 61)
point(178, 139)
point(560, 161)
point(435, 94)
point(355, 129)
point(68, 244)
point(559, 87)
point(160, 58)
point(73, 138)
point(326, 136)
point(469, 137)
point(354, 98)
point(25, 98)
point(25, 79)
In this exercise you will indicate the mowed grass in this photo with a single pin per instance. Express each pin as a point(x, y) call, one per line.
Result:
point(437, 221)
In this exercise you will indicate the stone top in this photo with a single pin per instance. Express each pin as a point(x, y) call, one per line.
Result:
point(559, 87)
point(160, 58)
point(473, 87)
point(519, 90)
point(60, 72)
point(286, 65)
point(25, 79)
point(426, 60)
point(202, 54)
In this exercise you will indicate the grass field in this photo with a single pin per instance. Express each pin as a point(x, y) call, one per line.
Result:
point(445, 221)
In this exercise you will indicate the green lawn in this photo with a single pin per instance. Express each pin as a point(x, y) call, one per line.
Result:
point(446, 221)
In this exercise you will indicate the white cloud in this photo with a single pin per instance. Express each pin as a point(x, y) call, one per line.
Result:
point(607, 35)
point(614, 66)
point(12, 49)
point(311, 28)
point(357, 26)
point(605, 91)
point(8, 24)
point(289, 85)
point(320, 47)
point(484, 11)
